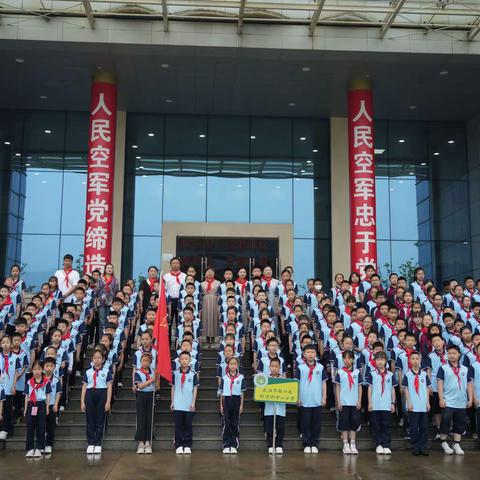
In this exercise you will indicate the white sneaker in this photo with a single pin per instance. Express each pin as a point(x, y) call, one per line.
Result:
point(233, 450)
point(401, 422)
point(307, 450)
point(30, 453)
point(457, 449)
point(179, 450)
point(3, 435)
point(120, 385)
point(48, 450)
point(78, 374)
point(97, 449)
point(278, 450)
point(437, 436)
point(314, 450)
point(226, 450)
point(37, 453)
point(379, 450)
point(62, 408)
point(446, 448)
point(387, 451)
point(270, 450)
point(188, 451)
point(353, 449)
point(346, 448)
point(90, 449)
point(148, 449)
point(141, 450)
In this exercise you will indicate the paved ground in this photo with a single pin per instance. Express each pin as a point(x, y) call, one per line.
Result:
point(247, 465)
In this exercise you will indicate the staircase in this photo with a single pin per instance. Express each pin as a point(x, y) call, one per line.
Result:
point(70, 432)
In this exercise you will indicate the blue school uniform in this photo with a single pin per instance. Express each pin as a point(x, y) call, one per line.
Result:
point(455, 383)
point(40, 393)
point(24, 360)
point(183, 391)
point(264, 364)
point(56, 387)
point(311, 385)
point(381, 390)
point(232, 386)
point(434, 361)
point(348, 390)
point(418, 399)
point(98, 379)
point(9, 365)
point(140, 352)
point(142, 376)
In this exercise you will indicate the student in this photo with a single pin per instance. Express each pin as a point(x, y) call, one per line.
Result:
point(37, 403)
point(96, 400)
point(313, 395)
point(144, 380)
point(9, 369)
point(381, 402)
point(183, 398)
point(49, 366)
point(416, 386)
point(475, 371)
point(232, 387)
point(455, 395)
point(278, 409)
point(348, 394)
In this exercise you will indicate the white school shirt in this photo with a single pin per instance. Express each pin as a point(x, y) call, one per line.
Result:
point(73, 279)
point(172, 287)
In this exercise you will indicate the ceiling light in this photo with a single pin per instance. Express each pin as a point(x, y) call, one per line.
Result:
point(315, 150)
point(423, 164)
point(28, 165)
point(315, 188)
point(303, 138)
point(308, 162)
point(151, 134)
point(43, 97)
point(202, 135)
point(443, 72)
point(436, 154)
point(253, 137)
point(302, 171)
point(6, 143)
point(291, 104)
point(19, 60)
point(411, 173)
point(164, 65)
point(138, 157)
point(168, 100)
point(305, 69)
point(18, 154)
point(379, 151)
point(451, 141)
point(401, 140)
point(134, 146)
point(412, 107)
point(141, 167)
point(47, 131)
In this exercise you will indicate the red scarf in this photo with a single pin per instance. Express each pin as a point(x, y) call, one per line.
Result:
point(151, 284)
point(408, 352)
point(7, 301)
point(354, 287)
point(365, 341)
point(416, 382)
point(392, 329)
point(95, 375)
point(184, 376)
point(67, 336)
point(146, 373)
point(351, 381)
point(456, 372)
point(67, 273)
point(289, 305)
point(232, 381)
point(477, 356)
point(107, 281)
point(209, 284)
point(469, 314)
point(243, 283)
point(268, 280)
point(383, 375)
point(439, 313)
point(36, 386)
point(176, 275)
point(372, 361)
point(311, 368)
point(5, 363)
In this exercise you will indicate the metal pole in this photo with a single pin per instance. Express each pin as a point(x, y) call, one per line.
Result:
point(274, 427)
point(153, 413)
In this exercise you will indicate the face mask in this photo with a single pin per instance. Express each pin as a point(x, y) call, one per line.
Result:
point(318, 288)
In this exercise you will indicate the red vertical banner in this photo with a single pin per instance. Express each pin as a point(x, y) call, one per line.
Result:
point(361, 148)
point(101, 166)
point(160, 334)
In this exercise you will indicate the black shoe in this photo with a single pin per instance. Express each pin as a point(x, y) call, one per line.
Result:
point(424, 453)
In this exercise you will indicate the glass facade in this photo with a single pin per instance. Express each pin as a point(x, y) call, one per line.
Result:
point(422, 198)
point(43, 166)
point(227, 169)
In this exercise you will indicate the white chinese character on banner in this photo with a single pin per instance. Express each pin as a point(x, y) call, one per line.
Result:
point(101, 106)
point(101, 129)
point(99, 157)
point(362, 135)
point(98, 182)
point(364, 215)
point(96, 237)
point(366, 240)
point(97, 210)
point(363, 163)
point(94, 262)
point(362, 263)
point(362, 113)
point(364, 188)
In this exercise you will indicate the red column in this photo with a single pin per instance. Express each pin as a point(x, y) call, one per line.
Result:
point(101, 165)
point(361, 148)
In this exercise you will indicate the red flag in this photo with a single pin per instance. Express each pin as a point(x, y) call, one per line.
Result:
point(160, 334)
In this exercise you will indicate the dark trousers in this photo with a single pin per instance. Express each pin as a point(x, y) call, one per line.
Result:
point(418, 428)
point(18, 402)
point(311, 425)
point(36, 426)
point(231, 421)
point(380, 427)
point(7, 423)
point(95, 400)
point(183, 428)
point(144, 403)
point(172, 324)
point(279, 427)
point(51, 425)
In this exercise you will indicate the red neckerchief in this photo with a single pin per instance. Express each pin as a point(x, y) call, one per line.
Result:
point(232, 381)
point(243, 283)
point(67, 273)
point(408, 352)
point(151, 284)
point(176, 275)
point(209, 284)
point(372, 361)
point(268, 280)
point(456, 372)
point(383, 375)
point(365, 341)
point(441, 356)
point(416, 382)
point(439, 313)
point(408, 311)
point(107, 281)
point(457, 300)
point(289, 305)
point(392, 329)
point(469, 313)
point(95, 375)
point(359, 323)
point(36, 386)
point(470, 348)
point(7, 301)
point(354, 287)
point(264, 340)
point(146, 373)
point(351, 381)
point(477, 356)
point(67, 336)
point(424, 330)
point(348, 310)
point(332, 335)
point(5, 363)
point(184, 376)
point(311, 368)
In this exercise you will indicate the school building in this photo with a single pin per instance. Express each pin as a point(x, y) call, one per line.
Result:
point(225, 135)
